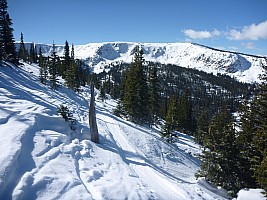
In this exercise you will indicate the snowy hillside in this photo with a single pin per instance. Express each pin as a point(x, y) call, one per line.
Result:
point(244, 67)
point(38, 161)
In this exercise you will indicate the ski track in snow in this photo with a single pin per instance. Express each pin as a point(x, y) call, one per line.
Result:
point(39, 162)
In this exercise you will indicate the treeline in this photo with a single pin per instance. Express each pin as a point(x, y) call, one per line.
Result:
point(53, 66)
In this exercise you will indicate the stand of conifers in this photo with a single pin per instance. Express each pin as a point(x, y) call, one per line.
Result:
point(92, 117)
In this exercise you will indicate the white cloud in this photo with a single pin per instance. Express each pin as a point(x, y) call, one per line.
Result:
point(190, 33)
point(251, 32)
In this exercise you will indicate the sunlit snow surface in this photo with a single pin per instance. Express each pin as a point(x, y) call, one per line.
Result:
point(39, 161)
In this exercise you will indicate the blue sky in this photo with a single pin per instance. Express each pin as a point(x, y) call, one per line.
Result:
point(239, 25)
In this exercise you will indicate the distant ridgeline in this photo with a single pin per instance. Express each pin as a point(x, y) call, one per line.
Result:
point(244, 67)
point(225, 51)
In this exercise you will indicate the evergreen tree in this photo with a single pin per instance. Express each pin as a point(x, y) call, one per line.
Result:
point(46, 68)
point(72, 76)
point(202, 127)
point(41, 66)
point(33, 57)
point(246, 147)
point(136, 91)
point(66, 60)
point(185, 121)
point(261, 173)
point(102, 94)
point(171, 117)
point(120, 108)
point(22, 53)
point(53, 68)
point(220, 157)
point(154, 90)
point(260, 139)
point(82, 73)
point(74, 73)
point(72, 52)
point(36, 55)
point(7, 43)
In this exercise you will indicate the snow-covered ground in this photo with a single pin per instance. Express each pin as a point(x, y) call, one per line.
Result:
point(38, 160)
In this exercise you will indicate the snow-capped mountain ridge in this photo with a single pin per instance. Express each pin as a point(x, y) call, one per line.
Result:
point(227, 51)
point(244, 67)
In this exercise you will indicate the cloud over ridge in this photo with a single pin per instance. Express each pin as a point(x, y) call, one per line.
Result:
point(201, 34)
point(250, 32)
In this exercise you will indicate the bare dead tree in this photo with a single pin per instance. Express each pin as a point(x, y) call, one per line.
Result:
point(92, 117)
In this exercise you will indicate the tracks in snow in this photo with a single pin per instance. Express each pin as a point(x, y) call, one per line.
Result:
point(149, 177)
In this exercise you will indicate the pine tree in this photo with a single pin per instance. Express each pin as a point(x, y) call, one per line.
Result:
point(171, 118)
point(261, 173)
point(102, 94)
point(36, 55)
point(260, 139)
point(66, 60)
point(154, 94)
point(7, 43)
point(219, 161)
point(129, 95)
point(33, 57)
point(72, 76)
point(202, 127)
point(72, 52)
point(53, 68)
point(246, 147)
point(185, 120)
point(136, 91)
point(22, 53)
point(74, 73)
point(46, 68)
point(41, 66)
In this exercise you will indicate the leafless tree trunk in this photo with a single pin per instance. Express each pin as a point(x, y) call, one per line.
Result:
point(92, 117)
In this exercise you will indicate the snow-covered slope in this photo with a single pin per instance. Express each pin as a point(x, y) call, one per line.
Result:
point(244, 67)
point(39, 161)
